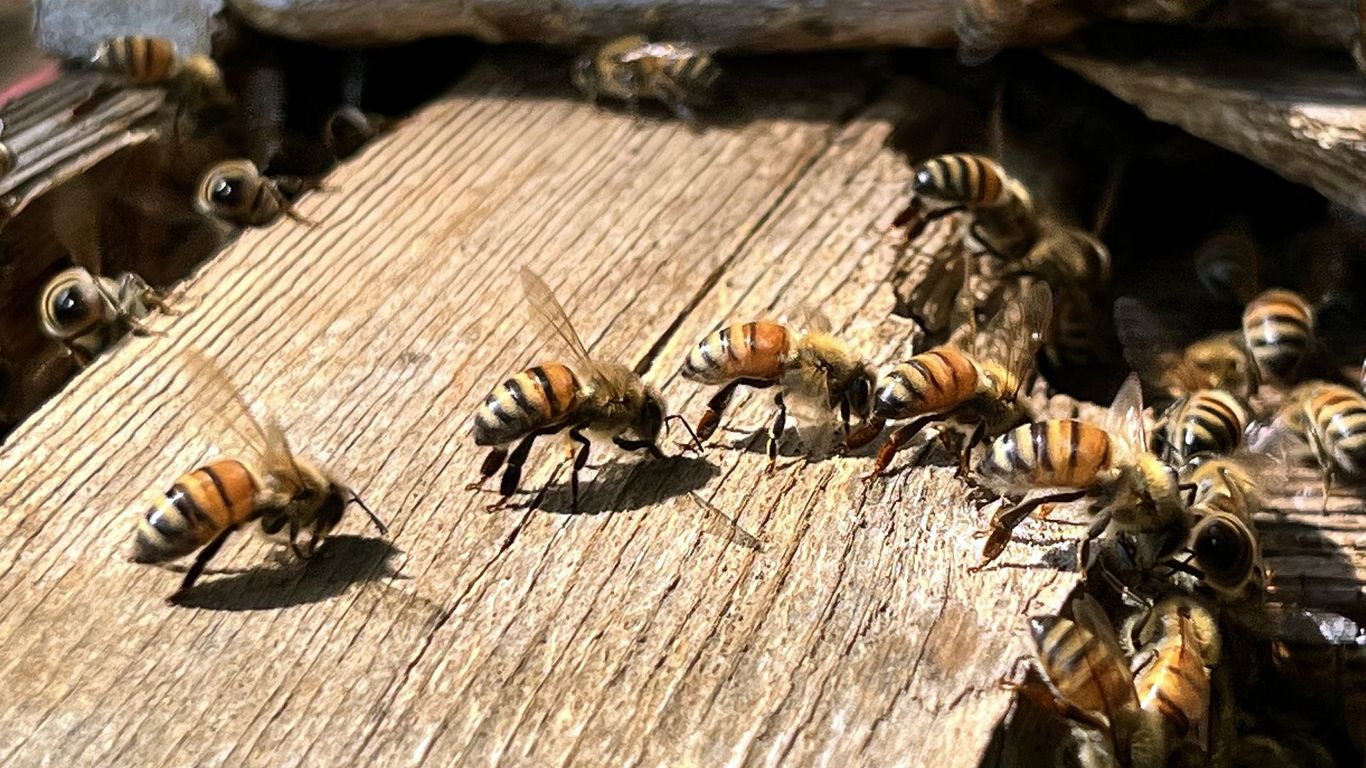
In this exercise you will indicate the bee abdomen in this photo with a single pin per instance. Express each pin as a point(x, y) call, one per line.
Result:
point(696, 73)
point(143, 59)
point(960, 178)
point(1340, 416)
point(1278, 328)
point(200, 505)
point(1211, 421)
point(1175, 685)
point(1056, 453)
point(537, 397)
point(936, 380)
point(1085, 670)
point(740, 351)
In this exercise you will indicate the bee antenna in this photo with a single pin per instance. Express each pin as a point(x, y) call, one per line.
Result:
point(374, 518)
point(687, 426)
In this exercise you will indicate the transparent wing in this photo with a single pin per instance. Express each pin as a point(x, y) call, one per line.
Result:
point(223, 403)
point(1150, 348)
point(1014, 335)
point(1124, 419)
point(1089, 615)
point(929, 284)
point(810, 319)
point(550, 318)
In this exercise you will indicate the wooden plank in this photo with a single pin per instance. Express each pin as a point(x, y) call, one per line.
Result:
point(625, 633)
point(1303, 116)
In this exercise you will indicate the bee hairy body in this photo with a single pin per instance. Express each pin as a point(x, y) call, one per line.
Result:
point(940, 379)
point(752, 351)
point(540, 397)
point(632, 68)
point(1055, 453)
point(1209, 421)
point(1089, 673)
point(1278, 328)
point(88, 313)
point(1175, 685)
point(200, 505)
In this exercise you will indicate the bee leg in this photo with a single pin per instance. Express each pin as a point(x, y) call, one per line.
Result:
point(580, 460)
point(200, 561)
point(865, 433)
point(694, 445)
point(1188, 488)
point(1009, 518)
point(897, 440)
point(641, 445)
point(492, 463)
point(776, 433)
point(965, 452)
point(512, 475)
point(706, 426)
point(1325, 462)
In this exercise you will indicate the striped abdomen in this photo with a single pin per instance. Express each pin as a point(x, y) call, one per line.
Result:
point(1278, 328)
point(1210, 421)
point(694, 74)
point(1174, 683)
point(741, 351)
point(536, 398)
point(144, 60)
point(202, 503)
point(963, 179)
point(1090, 673)
point(1057, 453)
point(933, 381)
point(1339, 416)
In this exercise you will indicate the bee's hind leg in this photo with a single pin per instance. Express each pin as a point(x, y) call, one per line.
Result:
point(492, 463)
point(776, 433)
point(200, 562)
point(580, 461)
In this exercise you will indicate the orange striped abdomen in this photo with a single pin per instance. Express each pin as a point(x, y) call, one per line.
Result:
point(964, 179)
point(1057, 453)
point(741, 351)
point(536, 398)
point(1087, 671)
point(1211, 421)
point(1340, 418)
point(1175, 684)
point(938, 380)
point(1278, 329)
point(143, 59)
point(201, 504)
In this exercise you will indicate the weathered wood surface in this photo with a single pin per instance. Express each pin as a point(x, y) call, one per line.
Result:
point(1304, 118)
point(626, 633)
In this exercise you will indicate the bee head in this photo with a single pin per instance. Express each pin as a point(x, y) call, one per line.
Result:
point(650, 420)
point(583, 74)
point(860, 392)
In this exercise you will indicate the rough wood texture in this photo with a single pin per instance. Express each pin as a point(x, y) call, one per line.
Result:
point(623, 634)
point(1303, 118)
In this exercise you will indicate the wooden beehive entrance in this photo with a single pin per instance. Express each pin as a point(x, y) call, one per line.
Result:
point(628, 631)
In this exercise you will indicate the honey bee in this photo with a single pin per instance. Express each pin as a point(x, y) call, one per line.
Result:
point(287, 495)
point(1278, 329)
point(677, 74)
point(1224, 538)
point(1003, 217)
point(236, 192)
point(1076, 266)
point(1332, 418)
point(1132, 489)
point(810, 365)
point(1181, 643)
point(195, 82)
point(86, 313)
point(1205, 421)
point(348, 129)
point(605, 399)
point(978, 388)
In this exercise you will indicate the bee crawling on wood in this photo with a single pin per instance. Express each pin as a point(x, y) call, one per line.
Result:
point(977, 389)
point(677, 74)
point(288, 496)
point(87, 314)
point(818, 371)
point(602, 399)
point(1003, 216)
point(1332, 419)
point(235, 191)
point(1133, 491)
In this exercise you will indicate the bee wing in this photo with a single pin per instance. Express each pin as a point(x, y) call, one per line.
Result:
point(223, 402)
point(1013, 337)
point(1124, 419)
point(935, 281)
point(1088, 614)
point(550, 318)
point(810, 319)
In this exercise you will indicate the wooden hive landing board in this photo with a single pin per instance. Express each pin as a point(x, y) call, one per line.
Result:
point(626, 633)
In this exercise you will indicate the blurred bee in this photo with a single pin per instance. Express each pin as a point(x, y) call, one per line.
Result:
point(1180, 643)
point(810, 365)
point(977, 388)
point(1003, 218)
point(86, 313)
point(587, 395)
point(1332, 418)
point(1076, 266)
point(287, 495)
point(1227, 263)
point(1216, 362)
point(236, 192)
point(194, 82)
point(348, 129)
point(1132, 489)
point(677, 74)
point(1224, 538)
point(1278, 329)
point(1088, 677)
point(1205, 421)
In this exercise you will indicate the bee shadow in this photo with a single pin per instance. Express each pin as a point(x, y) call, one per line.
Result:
point(626, 486)
point(340, 563)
